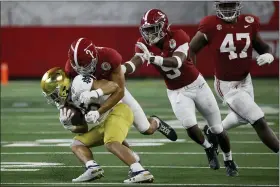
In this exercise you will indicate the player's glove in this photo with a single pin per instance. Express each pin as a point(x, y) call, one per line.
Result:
point(266, 58)
point(65, 118)
point(86, 96)
point(92, 116)
point(157, 60)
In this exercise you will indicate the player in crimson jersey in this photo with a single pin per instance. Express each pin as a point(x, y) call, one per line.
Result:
point(104, 63)
point(167, 51)
point(231, 38)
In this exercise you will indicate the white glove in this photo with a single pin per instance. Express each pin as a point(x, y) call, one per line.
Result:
point(146, 53)
point(87, 95)
point(92, 116)
point(65, 118)
point(266, 58)
point(158, 60)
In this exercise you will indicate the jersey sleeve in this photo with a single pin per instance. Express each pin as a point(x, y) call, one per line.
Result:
point(182, 39)
point(114, 58)
point(206, 27)
point(79, 85)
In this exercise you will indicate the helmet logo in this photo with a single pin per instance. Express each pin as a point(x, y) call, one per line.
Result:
point(249, 19)
point(172, 44)
point(105, 66)
point(88, 51)
point(219, 27)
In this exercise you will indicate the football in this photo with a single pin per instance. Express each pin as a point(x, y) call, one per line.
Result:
point(78, 120)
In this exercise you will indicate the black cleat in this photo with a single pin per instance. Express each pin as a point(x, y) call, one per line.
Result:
point(166, 130)
point(212, 158)
point(212, 138)
point(231, 168)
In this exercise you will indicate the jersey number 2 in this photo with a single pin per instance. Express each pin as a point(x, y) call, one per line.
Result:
point(228, 45)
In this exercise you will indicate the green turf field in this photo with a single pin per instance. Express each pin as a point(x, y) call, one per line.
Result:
point(35, 147)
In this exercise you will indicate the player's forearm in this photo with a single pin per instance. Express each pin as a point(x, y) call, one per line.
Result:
point(112, 100)
point(171, 62)
point(130, 66)
point(109, 88)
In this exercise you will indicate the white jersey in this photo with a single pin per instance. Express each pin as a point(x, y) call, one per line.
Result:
point(81, 84)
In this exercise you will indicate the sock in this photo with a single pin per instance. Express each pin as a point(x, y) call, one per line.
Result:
point(206, 144)
point(227, 156)
point(136, 156)
point(157, 120)
point(91, 163)
point(136, 167)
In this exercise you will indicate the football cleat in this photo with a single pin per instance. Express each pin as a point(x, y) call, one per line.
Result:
point(92, 173)
point(166, 130)
point(212, 158)
point(212, 138)
point(231, 168)
point(143, 176)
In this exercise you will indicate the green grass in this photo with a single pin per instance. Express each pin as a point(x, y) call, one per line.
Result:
point(28, 121)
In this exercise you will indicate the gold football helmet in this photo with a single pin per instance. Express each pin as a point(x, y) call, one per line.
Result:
point(55, 85)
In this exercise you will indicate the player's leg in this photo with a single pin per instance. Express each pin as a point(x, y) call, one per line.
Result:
point(144, 125)
point(208, 107)
point(232, 120)
point(184, 109)
point(117, 125)
point(136, 156)
point(80, 147)
point(242, 103)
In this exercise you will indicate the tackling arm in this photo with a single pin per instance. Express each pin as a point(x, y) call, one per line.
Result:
point(179, 56)
point(117, 78)
point(130, 66)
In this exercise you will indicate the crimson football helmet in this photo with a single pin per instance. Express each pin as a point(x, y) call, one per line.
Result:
point(83, 56)
point(154, 26)
point(227, 10)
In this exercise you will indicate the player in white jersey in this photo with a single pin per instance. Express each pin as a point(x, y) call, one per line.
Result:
point(110, 128)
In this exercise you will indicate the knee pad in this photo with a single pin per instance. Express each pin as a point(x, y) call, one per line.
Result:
point(76, 143)
point(216, 129)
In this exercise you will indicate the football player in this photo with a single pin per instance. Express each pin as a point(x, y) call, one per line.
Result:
point(167, 51)
point(231, 37)
point(105, 63)
point(110, 128)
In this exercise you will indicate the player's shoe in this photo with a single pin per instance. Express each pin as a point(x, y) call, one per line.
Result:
point(92, 173)
point(212, 158)
point(231, 168)
point(143, 176)
point(166, 130)
point(212, 138)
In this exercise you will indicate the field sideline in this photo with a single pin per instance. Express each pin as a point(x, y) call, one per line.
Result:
point(35, 147)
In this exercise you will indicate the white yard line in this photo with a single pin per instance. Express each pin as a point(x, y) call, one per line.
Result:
point(162, 167)
point(122, 184)
point(141, 153)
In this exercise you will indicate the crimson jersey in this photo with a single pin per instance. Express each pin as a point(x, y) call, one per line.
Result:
point(108, 60)
point(174, 78)
point(230, 45)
